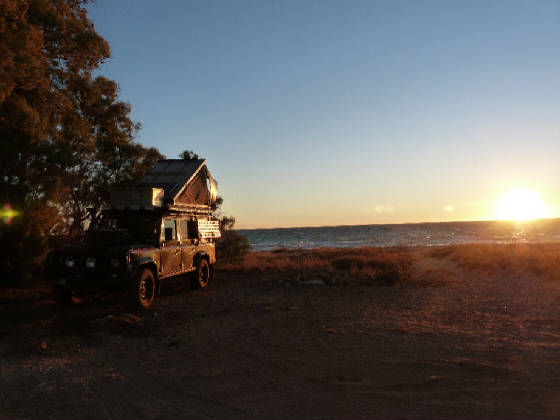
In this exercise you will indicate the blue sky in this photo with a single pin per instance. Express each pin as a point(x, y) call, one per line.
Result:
point(347, 112)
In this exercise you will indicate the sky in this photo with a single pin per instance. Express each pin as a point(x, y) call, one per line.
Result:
point(315, 113)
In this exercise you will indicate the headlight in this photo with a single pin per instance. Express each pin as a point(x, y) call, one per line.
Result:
point(69, 262)
point(90, 262)
point(115, 262)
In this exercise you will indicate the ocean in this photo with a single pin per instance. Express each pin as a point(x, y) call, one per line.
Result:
point(410, 234)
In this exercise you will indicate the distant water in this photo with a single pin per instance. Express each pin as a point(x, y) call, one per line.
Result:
point(430, 234)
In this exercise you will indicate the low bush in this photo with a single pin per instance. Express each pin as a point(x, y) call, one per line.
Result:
point(232, 246)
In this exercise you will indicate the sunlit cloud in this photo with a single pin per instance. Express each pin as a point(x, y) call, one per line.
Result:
point(379, 209)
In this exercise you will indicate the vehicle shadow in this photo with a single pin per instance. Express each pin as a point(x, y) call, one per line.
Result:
point(23, 310)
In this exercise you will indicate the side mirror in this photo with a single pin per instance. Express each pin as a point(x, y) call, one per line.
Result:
point(168, 234)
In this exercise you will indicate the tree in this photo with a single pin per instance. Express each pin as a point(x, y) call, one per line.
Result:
point(114, 166)
point(66, 138)
point(188, 155)
point(109, 159)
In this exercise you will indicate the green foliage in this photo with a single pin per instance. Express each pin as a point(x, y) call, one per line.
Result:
point(226, 223)
point(112, 166)
point(189, 155)
point(66, 138)
point(232, 246)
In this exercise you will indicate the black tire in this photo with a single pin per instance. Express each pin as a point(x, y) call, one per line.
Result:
point(62, 296)
point(201, 276)
point(142, 289)
point(212, 272)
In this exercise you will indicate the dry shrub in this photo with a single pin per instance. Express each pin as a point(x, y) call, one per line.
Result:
point(440, 252)
point(348, 263)
point(394, 266)
point(433, 277)
point(366, 266)
point(393, 272)
point(539, 260)
point(276, 260)
point(377, 277)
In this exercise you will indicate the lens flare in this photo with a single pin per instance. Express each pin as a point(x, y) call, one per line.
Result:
point(8, 214)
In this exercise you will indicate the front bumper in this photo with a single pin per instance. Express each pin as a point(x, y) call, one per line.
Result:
point(89, 281)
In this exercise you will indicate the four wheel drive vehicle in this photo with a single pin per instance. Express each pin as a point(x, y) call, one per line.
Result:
point(162, 227)
point(135, 250)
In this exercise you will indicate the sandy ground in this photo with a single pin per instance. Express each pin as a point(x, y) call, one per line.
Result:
point(479, 346)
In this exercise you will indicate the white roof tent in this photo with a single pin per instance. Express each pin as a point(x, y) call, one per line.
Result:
point(177, 184)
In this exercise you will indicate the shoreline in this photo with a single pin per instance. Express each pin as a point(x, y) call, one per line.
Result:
point(433, 234)
point(474, 243)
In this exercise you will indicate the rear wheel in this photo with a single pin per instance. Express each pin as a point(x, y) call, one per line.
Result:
point(142, 289)
point(201, 275)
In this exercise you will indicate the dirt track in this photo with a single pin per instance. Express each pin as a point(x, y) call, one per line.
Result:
point(247, 347)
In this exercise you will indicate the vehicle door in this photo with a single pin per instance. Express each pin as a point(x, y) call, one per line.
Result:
point(189, 241)
point(170, 250)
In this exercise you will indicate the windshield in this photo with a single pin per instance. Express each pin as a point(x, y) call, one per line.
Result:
point(126, 227)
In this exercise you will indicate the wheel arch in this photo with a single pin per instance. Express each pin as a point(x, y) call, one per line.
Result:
point(199, 256)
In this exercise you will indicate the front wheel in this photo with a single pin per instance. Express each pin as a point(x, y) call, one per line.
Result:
point(201, 275)
point(142, 289)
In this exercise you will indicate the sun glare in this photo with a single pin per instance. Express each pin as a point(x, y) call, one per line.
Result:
point(521, 205)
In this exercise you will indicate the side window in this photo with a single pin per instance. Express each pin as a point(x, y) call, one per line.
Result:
point(182, 227)
point(169, 232)
point(192, 228)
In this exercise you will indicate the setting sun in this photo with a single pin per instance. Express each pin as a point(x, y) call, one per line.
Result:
point(521, 204)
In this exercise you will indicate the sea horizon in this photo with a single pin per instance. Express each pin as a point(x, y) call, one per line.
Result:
point(405, 223)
